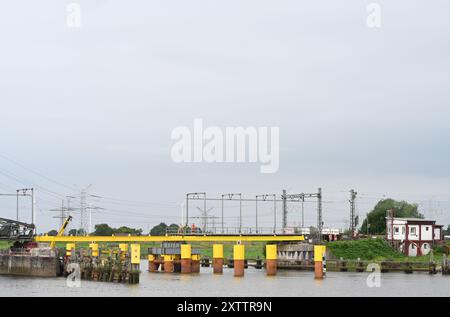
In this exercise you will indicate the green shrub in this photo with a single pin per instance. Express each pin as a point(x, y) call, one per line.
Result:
point(370, 249)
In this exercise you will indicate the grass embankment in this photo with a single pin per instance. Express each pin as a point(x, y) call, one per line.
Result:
point(375, 250)
point(4, 245)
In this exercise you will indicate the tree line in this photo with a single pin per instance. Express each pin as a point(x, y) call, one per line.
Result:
point(105, 230)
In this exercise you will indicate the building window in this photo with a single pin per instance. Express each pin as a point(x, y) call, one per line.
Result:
point(413, 246)
point(427, 228)
point(403, 230)
point(396, 229)
point(425, 246)
point(412, 230)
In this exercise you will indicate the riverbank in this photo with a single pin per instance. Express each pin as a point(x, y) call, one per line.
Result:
point(376, 250)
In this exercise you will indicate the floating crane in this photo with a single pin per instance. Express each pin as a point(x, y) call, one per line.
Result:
point(61, 231)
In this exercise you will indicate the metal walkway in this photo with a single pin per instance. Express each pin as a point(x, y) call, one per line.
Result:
point(184, 238)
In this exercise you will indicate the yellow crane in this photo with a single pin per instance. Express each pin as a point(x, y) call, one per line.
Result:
point(61, 231)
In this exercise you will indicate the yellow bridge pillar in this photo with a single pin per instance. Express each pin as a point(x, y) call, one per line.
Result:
point(239, 259)
point(69, 248)
point(218, 258)
point(94, 249)
point(135, 254)
point(319, 261)
point(271, 259)
point(186, 258)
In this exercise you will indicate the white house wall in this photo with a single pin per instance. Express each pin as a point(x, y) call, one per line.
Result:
point(426, 248)
point(412, 250)
point(427, 232)
point(401, 226)
point(413, 233)
point(437, 233)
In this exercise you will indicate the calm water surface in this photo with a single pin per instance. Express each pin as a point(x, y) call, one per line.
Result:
point(255, 283)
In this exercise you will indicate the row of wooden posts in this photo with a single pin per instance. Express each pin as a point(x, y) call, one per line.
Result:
point(120, 265)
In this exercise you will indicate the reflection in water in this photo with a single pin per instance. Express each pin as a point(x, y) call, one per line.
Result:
point(254, 283)
point(318, 282)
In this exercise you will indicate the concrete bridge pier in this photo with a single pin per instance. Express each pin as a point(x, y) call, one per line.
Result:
point(239, 260)
point(218, 258)
point(271, 259)
point(186, 258)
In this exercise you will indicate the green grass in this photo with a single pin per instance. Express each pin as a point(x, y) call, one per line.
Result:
point(371, 249)
point(253, 250)
point(4, 245)
point(375, 250)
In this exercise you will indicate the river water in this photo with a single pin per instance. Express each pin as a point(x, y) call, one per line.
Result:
point(254, 283)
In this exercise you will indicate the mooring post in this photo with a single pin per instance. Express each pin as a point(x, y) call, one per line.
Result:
point(135, 254)
point(271, 259)
point(135, 262)
point(239, 259)
point(218, 258)
point(186, 258)
point(319, 261)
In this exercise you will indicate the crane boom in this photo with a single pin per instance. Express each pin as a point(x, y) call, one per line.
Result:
point(61, 231)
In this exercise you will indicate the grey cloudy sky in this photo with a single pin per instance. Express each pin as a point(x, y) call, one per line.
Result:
point(357, 107)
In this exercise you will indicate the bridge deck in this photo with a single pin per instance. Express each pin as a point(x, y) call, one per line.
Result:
point(185, 238)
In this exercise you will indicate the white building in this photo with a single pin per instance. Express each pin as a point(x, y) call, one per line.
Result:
point(412, 236)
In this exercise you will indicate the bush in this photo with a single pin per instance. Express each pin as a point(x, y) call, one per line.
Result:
point(363, 249)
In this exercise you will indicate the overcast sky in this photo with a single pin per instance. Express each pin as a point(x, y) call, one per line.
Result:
point(357, 107)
